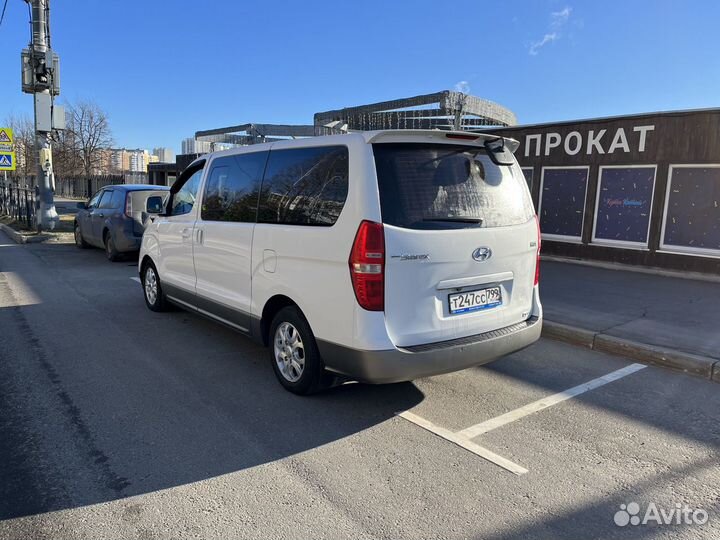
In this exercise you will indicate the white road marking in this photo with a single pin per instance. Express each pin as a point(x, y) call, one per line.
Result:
point(544, 403)
point(135, 278)
point(463, 442)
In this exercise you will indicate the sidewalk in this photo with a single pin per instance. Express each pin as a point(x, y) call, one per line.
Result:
point(656, 319)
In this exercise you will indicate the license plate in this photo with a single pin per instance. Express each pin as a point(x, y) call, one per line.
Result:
point(475, 300)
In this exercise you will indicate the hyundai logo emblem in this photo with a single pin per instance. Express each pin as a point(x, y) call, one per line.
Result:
point(482, 254)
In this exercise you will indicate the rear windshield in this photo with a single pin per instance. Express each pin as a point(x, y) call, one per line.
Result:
point(140, 197)
point(440, 186)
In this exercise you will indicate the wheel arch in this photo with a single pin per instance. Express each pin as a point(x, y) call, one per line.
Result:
point(147, 259)
point(271, 308)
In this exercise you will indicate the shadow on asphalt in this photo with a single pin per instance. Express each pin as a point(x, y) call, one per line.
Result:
point(110, 400)
point(595, 519)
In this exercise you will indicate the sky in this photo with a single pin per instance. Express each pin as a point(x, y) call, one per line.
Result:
point(163, 70)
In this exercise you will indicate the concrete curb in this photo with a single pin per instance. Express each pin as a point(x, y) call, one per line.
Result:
point(654, 271)
point(568, 334)
point(20, 238)
point(692, 364)
point(13, 234)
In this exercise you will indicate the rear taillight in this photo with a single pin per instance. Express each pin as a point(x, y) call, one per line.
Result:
point(128, 205)
point(367, 266)
point(537, 261)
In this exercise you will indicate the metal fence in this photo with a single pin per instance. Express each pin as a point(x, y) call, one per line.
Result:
point(18, 203)
point(135, 177)
point(84, 188)
point(17, 196)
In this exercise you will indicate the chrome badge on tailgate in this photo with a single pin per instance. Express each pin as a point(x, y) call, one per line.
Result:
point(412, 257)
point(482, 254)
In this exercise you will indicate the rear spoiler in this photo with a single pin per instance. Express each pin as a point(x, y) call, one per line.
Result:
point(510, 144)
point(499, 149)
point(436, 135)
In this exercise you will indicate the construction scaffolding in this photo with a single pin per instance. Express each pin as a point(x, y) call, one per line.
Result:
point(245, 134)
point(441, 110)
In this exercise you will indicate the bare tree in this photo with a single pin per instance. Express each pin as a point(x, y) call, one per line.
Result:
point(89, 132)
point(24, 135)
point(66, 155)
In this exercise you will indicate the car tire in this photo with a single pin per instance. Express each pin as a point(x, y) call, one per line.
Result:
point(152, 289)
point(294, 353)
point(79, 240)
point(111, 251)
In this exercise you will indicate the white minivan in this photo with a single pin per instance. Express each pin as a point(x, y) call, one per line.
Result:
point(379, 256)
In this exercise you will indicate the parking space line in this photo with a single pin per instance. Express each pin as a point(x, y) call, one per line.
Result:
point(135, 278)
point(463, 442)
point(544, 403)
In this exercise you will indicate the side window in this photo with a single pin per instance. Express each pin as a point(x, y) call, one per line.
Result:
point(183, 200)
point(304, 186)
point(94, 201)
point(231, 192)
point(106, 199)
point(118, 199)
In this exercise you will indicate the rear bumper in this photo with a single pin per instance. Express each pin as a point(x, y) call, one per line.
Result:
point(405, 364)
point(127, 242)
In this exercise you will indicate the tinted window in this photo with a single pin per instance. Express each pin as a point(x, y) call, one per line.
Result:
point(231, 192)
point(106, 200)
point(304, 186)
point(184, 199)
point(118, 199)
point(438, 186)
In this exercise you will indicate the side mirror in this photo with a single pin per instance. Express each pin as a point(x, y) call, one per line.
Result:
point(154, 205)
point(82, 205)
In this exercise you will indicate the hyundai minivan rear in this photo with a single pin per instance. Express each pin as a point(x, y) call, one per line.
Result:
point(452, 266)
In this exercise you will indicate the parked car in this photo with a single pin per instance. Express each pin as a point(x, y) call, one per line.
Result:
point(115, 217)
point(378, 256)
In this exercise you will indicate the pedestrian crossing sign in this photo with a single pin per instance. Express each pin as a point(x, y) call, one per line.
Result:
point(7, 161)
point(6, 136)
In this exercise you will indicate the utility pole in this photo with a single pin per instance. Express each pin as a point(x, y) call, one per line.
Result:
point(41, 77)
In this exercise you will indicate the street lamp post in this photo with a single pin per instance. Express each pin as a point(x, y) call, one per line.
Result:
point(41, 77)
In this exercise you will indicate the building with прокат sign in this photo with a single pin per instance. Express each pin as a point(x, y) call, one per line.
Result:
point(641, 189)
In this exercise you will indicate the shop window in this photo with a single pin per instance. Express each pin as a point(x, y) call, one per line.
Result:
point(562, 202)
point(691, 222)
point(529, 172)
point(624, 205)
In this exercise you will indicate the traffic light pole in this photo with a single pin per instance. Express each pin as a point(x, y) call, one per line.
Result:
point(46, 216)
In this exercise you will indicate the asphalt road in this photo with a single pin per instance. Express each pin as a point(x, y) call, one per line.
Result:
point(116, 422)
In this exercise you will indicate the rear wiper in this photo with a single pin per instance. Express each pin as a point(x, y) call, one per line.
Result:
point(458, 219)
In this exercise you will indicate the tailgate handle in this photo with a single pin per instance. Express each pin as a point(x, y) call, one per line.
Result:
point(474, 280)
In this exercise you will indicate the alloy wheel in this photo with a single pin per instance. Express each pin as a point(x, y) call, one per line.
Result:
point(289, 352)
point(151, 286)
